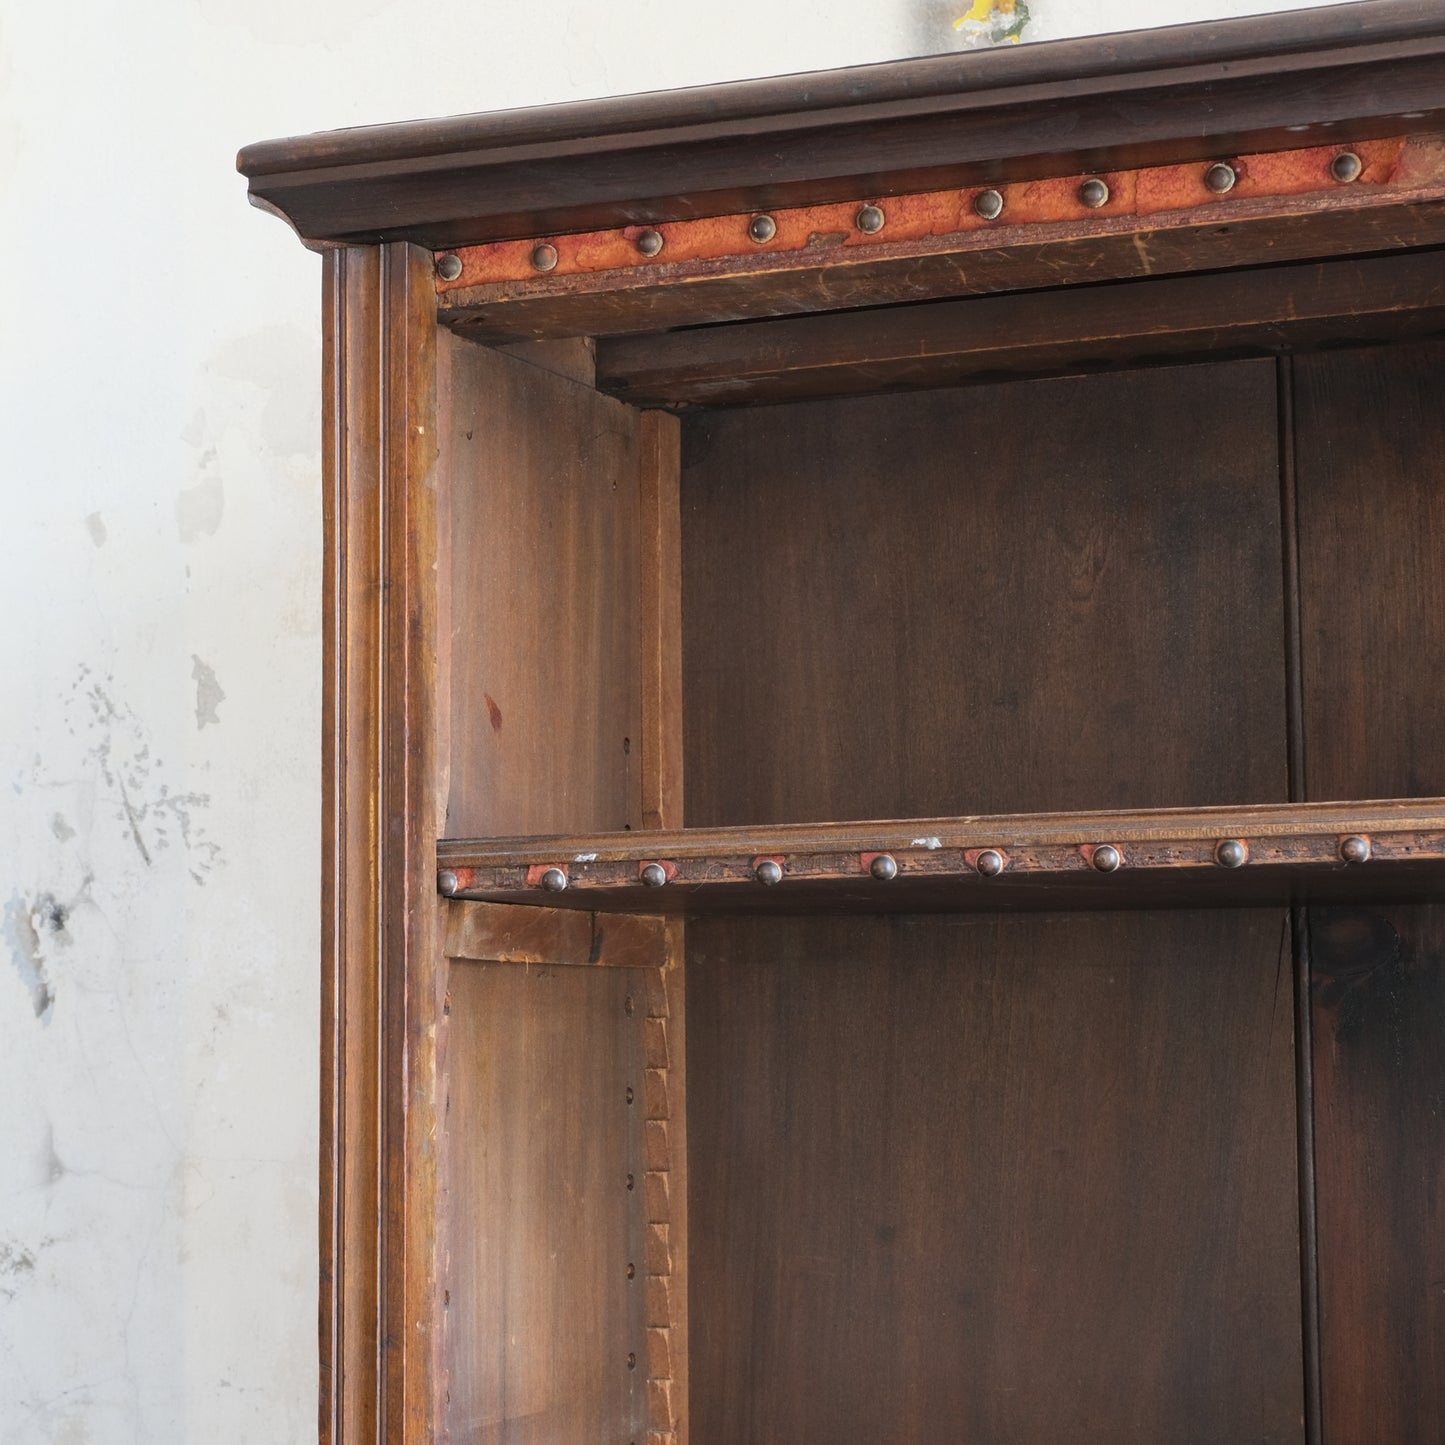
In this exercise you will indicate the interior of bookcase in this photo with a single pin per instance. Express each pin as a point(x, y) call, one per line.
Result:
point(926, 1148)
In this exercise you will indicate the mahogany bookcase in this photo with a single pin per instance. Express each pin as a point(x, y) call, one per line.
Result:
point(1042, 447)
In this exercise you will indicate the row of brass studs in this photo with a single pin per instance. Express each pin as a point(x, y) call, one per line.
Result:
point(990, 862)
point(1220, 178)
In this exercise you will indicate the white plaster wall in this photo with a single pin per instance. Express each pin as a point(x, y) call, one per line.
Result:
point(160, 663)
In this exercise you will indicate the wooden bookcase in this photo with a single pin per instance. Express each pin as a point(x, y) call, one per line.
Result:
point(1043, 448)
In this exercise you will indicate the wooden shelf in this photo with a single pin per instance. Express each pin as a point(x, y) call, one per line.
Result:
point(1169, 857)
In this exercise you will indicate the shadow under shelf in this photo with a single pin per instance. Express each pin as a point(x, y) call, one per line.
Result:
point(1390, 850)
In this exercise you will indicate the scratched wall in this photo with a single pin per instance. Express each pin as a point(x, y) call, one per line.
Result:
point(160, 656)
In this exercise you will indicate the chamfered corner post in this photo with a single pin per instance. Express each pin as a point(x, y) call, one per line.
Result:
point(379, 906)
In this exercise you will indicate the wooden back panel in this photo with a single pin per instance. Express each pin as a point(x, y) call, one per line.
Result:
point(1370, 449)
point(1042, 595)
point(1014, 1178)
point(994, 1179)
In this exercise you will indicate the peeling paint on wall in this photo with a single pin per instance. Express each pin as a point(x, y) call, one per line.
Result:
point(28, 954)
point(199, 509)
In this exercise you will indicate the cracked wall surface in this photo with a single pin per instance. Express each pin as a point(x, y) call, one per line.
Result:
point(160, 712)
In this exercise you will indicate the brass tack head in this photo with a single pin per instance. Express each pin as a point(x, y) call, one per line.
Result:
point(1346, 167)
point(762, 229)
point(544, 257)
point(768, 872)
point(631, 1271)
point(989, 204)
point(631, 1360)
point(449, 267)
point(1107, 858)
point(654, 875)
point(1220, 178)
point(649, 242)
point(631, 1182)
point(884, 867)
point(447, 882)
point(630, 1095)
point(554, 880)
point(628, 1006)
point(990, 863)
point(1231, 853)
point(1355, 849)
point(871, 220)
point(1094, 193)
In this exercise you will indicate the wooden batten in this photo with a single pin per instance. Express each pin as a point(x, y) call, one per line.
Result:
point(1087, 328)
point(1014, 235)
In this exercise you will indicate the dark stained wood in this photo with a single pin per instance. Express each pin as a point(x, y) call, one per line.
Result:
point(1167, 859)
point(1237, 313)
point(541, 1315)
point(379, 971)
point(1006, 1180)
point(1179, 94)
point(1370, 441)
point(545, 572)
point(1379, 1077)
point(1038, 595)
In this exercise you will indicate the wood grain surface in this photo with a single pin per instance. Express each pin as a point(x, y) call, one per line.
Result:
point(1005, 1180)
point(379, 923)
point(1371, 462)
point(541, 1313)
point(545, 589)
point(1034, 596)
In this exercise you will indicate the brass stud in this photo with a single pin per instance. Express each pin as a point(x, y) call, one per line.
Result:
point(630, 1094)
point(544, 257)
point(1231, 853)
point(768, 872)
point(631, 1360)
point(1220, 178)
point(631, 1271)
point(871, 220)
point(447, 882)
point(654, 875)
point(989, 204)
point(1107, 858)
point(649, 242)
point(1346, 167)
point(1094, 193)
point(554, 880)
point(449, 267)
point(884, 867)
point(628, 1007)
point(990, 863)
point(762, 229)
point(1355, 848)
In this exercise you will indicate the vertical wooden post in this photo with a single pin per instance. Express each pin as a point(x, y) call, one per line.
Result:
point(660, 521)
point(379, 912)
point(660, 517)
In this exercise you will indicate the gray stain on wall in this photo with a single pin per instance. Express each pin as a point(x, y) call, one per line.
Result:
point(209, 694)
point(96, 527)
